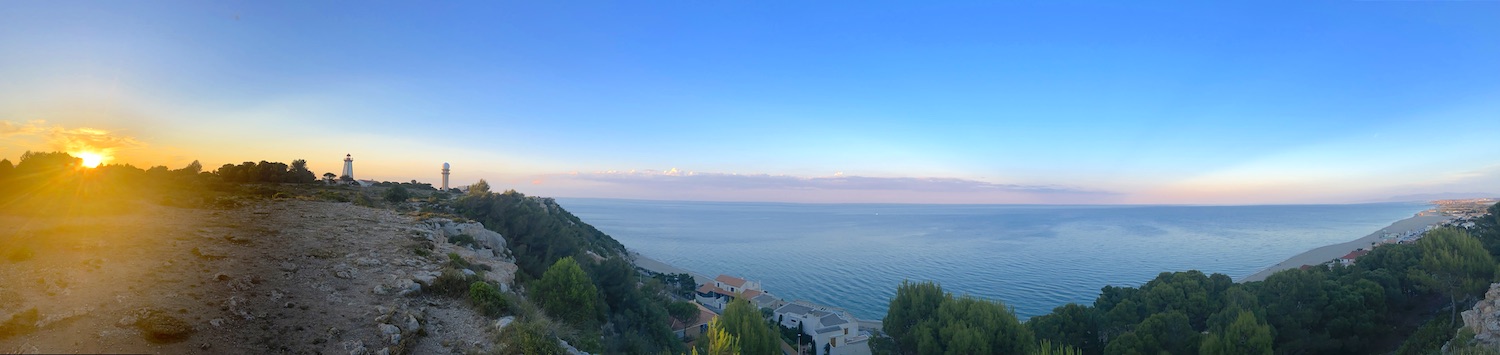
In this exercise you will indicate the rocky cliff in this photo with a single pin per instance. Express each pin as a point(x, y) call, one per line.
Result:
point(1484, 320)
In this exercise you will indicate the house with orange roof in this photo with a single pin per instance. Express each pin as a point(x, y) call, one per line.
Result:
point(725, 288)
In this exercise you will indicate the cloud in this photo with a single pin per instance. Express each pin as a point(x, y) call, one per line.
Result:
point(71, 140)
point(677, 179)
point(8, 128)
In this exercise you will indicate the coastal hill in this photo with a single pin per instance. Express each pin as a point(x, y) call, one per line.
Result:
point(254, 258)
point(186, 261)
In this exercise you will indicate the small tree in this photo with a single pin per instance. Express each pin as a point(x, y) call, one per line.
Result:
point(329, 178)
point(479, 188)
point(192, 169)
point(299, 173)
point(566, 292)
point(683, 311)
point(743, 321)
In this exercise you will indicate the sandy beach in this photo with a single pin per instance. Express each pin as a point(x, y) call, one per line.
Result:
point(1330, 252)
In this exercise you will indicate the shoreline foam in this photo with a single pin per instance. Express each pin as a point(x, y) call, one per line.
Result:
point(1328, 253)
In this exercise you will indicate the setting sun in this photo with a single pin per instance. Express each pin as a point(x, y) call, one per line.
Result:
point(90, 160)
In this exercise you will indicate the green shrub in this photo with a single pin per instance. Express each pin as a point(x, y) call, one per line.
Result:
point(362, 200)
point(463, 240)
point(458, 262)
point(528, 337)
point(397, 194)
point(488, 299)
point(453, 283)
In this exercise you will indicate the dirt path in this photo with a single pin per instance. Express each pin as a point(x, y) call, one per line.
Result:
point(273, 277)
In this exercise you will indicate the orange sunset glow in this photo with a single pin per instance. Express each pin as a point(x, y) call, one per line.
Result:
point(750, 177)
point(90, 159)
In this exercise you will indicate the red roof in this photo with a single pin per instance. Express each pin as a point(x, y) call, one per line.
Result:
point(731, 280)
point(1355, 254)
point(748, 294)
point(706, 288)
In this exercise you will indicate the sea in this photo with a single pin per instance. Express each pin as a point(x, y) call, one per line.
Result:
point(1031, 257)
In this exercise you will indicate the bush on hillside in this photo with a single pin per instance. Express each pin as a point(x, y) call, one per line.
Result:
point(488, 299)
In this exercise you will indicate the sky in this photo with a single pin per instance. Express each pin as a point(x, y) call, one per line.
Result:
point(1061, 102)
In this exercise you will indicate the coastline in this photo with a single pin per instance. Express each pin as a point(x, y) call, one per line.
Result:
point(1330, 252)
point(654, 265)
point(1315, 256)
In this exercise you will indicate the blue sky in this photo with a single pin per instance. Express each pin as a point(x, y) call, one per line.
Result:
point(1023, 102)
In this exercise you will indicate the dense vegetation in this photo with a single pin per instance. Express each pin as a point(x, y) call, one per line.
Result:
point(1373, 306)
point(267, 172)
point(925, 320)
point(578, 274)
point(537, 230)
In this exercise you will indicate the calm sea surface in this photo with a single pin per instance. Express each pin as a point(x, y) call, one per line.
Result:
point(1031, 257)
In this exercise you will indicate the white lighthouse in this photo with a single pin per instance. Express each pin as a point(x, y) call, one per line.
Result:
point(445, 176)
point(348, 167)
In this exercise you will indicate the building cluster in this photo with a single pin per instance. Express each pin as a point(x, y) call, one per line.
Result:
point(827, 326)
point(832, 330)
point(1461, 213)
point(1469, 208)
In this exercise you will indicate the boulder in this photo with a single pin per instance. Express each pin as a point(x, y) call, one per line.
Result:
point(484, 237)
point(412, 325)
point(504, 322)
point(412, 287)
point(425, 277)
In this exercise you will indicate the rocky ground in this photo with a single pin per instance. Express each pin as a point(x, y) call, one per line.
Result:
point(274, 276)
point(1484, 320)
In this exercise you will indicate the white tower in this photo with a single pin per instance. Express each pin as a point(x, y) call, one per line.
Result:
point(348, 166)
point(445, 176)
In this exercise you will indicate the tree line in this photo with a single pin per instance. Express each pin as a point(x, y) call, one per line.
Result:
point(267, 172)
point(1375, 305)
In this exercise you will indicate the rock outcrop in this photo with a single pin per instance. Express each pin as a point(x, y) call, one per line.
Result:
point(1484, 319)
point(446, 228)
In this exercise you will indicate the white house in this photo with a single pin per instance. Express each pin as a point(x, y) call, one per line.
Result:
point(725, 288)
point(829, 327)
